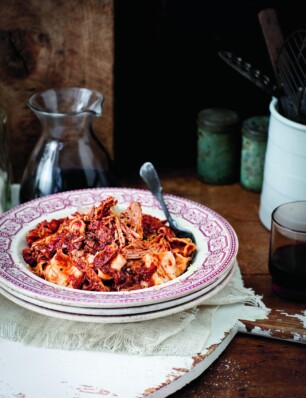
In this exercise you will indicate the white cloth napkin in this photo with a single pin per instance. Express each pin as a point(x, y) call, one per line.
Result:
point(184, 333)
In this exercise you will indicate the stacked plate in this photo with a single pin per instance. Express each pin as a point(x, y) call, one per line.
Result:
point(211, 269)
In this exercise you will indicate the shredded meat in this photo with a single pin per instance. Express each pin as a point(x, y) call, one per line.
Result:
point(102, 250)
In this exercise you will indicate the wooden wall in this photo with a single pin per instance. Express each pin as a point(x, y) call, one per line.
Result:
point(53, 43)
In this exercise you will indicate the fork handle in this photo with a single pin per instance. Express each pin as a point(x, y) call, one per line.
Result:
point(150, 177)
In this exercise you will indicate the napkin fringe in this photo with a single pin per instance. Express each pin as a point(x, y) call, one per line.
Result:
point(108, 337)
point(255, 299)
point(11, 332)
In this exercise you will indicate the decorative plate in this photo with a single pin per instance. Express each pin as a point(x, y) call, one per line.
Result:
point(119, 318)
point(217, 247)
point(139, 309)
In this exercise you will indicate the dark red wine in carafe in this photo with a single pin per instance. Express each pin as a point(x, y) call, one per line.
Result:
point(65, 180)
point(287, 266)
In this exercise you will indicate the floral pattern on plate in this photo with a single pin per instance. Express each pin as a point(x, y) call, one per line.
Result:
point(217, 247)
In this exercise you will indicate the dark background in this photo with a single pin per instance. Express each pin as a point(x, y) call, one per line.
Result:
point(167, 70)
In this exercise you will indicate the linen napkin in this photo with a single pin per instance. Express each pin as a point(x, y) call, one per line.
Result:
point(184, 333)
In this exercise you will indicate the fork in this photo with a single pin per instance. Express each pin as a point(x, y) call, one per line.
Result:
point(150, 177)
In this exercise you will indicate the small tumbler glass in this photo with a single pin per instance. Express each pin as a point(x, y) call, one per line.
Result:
point(287, 256)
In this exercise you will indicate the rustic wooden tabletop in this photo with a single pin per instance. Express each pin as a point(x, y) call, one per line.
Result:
point(251, 366)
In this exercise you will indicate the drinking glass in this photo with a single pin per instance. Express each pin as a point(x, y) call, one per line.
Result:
point(287, 255)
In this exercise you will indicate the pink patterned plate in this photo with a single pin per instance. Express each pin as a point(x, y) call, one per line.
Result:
point(139, 309)
point(216, 241)
point(120, 318)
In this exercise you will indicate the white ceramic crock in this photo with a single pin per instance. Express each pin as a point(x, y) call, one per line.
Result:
point(285, 164)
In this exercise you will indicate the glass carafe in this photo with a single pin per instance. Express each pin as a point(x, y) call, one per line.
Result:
point(67, 155)
point(5, 166)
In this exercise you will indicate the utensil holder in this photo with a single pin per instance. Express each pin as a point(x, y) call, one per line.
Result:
point(285, 164)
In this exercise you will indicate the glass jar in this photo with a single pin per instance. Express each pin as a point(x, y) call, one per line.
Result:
point(219, 146)
point(254, 145)
point(5, 166)
point(67, 155)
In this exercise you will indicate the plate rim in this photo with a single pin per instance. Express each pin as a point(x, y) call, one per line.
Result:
point(119, 310)
point(155, 291)
point(128, 318)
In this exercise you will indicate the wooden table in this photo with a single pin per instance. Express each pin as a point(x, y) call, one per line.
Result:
point(250, 366)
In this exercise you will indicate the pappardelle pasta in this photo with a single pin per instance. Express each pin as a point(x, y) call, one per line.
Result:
point(107, 250)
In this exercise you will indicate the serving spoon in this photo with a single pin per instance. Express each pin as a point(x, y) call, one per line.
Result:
point(150, 177)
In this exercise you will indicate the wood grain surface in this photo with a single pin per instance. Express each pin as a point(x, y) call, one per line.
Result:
point(251, 366)
point(272, 34)
point(50, 44)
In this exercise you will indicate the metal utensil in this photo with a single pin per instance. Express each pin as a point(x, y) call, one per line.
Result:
point(250, 72)
point(291, 73)
point(274, 41)
point(261, 80)
point(150, 177)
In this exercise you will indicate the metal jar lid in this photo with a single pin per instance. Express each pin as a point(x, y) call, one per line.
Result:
point(256, 128)
point(218, 119)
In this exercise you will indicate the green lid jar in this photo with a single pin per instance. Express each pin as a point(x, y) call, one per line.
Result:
point(219, 146)
point(254, 144)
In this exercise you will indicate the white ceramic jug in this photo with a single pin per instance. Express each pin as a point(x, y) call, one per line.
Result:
point(285, 164)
